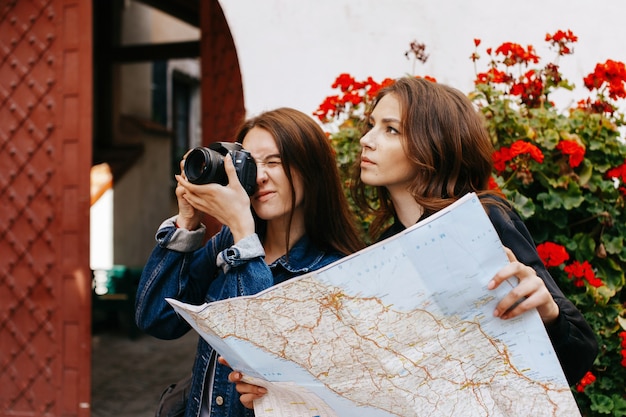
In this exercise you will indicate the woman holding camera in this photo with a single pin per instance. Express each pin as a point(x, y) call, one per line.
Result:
point(297, 220)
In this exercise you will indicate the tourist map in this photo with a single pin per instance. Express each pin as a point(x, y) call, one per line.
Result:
point(404, 328)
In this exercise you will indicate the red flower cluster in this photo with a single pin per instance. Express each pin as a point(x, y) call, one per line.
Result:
point(504, 154)
point(552, 254)
point(618, 172)
point(578, 271)
point(516, 54)
point(529, 88)
point(575, 151)
point(494, 75)
point(562, 40)
point(588, 379)
point(353, 93)
point(610, 75)
point(501, 157)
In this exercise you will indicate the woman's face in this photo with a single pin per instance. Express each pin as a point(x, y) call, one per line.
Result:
point(383, 160)
point(272, 199)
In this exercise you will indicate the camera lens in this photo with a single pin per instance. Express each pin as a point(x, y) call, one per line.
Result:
point(204, 166)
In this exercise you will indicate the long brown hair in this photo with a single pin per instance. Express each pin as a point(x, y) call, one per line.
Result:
point(445, 140)
point(303, 146)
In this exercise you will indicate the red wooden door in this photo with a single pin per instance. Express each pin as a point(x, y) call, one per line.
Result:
point(45, 158)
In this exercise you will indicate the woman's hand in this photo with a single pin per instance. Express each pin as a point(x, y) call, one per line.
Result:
point(229, 204)
point(531, 292)
point(188, 217)
point(248, 392)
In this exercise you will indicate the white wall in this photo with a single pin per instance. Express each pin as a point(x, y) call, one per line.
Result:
point(291, 51)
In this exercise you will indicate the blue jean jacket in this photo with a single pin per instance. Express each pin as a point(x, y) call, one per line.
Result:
point(181, 268)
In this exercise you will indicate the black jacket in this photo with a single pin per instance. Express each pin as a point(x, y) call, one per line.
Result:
point(573, 339)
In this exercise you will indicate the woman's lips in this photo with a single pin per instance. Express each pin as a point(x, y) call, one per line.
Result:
point(263, 195)
point(366, 161)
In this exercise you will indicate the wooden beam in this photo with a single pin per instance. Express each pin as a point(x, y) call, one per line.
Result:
point(155, 52)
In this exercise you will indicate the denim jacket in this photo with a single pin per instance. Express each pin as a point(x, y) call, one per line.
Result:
point(180, 267)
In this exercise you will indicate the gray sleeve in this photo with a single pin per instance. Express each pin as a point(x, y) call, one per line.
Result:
point(180, 240)
point(249, 247)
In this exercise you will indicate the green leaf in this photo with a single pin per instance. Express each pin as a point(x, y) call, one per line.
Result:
point(585, 173)
point(523, 205)
point(573, 197)
point(620, 405)
point(550, 201)
point(613, 244)
point(551, 138)
point(603, 295)
point(601, 403)
point(611, 273)
point(585, 246)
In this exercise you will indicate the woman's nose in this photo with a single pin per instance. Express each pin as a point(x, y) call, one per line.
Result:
point(367, 140)
point(261, 173)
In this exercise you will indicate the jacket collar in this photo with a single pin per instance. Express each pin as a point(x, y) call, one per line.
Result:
point(302, 258)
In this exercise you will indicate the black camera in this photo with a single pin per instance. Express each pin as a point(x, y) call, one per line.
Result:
point(206, 165)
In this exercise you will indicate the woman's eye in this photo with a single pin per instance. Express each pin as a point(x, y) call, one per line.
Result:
point(392, 130)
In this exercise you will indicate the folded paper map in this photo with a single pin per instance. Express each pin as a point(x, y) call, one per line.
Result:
point(403, 328)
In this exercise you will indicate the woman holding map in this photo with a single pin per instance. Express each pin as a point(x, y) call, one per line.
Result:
point(295, 220)
point(425, 147)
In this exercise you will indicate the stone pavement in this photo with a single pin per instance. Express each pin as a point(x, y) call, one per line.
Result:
point(128, 376)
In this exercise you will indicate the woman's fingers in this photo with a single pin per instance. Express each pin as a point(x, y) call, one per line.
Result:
point(248, 392)
point(530, 292)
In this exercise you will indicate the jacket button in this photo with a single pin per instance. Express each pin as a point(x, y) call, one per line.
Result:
point(219, 400)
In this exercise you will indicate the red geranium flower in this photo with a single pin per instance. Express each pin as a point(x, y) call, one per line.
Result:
point(578, 271)
point(552, 254)
point(575, 151)
point(618, 172)
point(516, 54)
point(562, 40)
point(344, 82)
point(493, 75)
point(586, 380)
point(501, 157)
point(520, 147)
point(612, 75)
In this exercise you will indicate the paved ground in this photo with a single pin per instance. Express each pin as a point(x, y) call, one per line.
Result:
point(128, 376)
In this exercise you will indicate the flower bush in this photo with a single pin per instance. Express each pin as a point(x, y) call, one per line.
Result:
point(564, 170)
